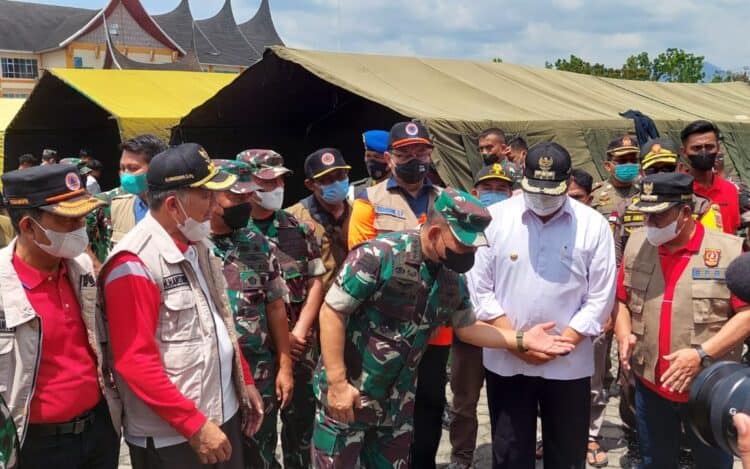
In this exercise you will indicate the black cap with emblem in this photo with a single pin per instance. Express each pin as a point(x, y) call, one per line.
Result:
point(323, 161)
point(547, 170)
point(662, 191)
point(408, 133)
point(186, 166)
point(56, 189)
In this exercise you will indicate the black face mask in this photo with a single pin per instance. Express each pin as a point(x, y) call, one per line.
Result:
point(412, 172)
point(702, 161)
point(458, 262)
point(236, 217)
point(490, 159)
point(376, 169)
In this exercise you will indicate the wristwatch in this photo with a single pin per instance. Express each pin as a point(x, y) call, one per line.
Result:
point(705, 358)
point(519, 342)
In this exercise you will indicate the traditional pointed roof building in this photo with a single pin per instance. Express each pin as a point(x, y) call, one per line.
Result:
point(123, 35)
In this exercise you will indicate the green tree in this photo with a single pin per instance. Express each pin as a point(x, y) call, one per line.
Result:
point(676, 65)
point(637, 67)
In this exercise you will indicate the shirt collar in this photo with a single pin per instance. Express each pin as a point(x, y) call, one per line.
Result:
point(31, 277)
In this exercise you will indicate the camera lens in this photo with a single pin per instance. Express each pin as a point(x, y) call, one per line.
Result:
point(718, 393)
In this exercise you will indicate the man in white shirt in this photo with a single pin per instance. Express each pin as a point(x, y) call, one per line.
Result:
point(550, 258)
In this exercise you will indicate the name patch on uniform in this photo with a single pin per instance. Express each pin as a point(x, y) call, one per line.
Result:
point(87, 280)
point(389, 211)
point(709, 274)
point(174, 281)
point(4, 327)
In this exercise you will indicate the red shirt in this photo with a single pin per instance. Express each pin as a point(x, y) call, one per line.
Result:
point(67, 384)
point(673, 265)
point(133, 320)
point(725, 194)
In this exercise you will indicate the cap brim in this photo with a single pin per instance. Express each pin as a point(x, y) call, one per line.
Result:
point(75, 207)
point(494, 176)
point(272, 173)
point(624, 151)
point(221, 181)
point(243, 187)
point(411, 141)
point(469, 238)
point(328, 170)
point(651, 207)
point(538, 186)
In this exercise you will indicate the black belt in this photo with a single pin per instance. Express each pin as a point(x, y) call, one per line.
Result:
point(76, 426)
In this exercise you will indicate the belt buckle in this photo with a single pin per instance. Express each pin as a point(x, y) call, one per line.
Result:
point(79, 426)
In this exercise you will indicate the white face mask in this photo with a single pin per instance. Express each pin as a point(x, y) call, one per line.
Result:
point(543, 204)
point(659, 236)
point(64, 245)
point(272, 200)
point(192, 229)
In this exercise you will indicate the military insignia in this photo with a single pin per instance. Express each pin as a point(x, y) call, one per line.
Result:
point(656, 148)
point(626, 142)
point(545, 163)
point(72, 181)
point(497, 169)
point(648, 188)
point(327, 159)
point(711, 257)
point(411, 129)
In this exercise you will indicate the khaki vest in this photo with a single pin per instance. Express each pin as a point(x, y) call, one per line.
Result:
point(392, 211)
point(20, 338)
point(123, 216)
point(699, 308)
point(185, 333)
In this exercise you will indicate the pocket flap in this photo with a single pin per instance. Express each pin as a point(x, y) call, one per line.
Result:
point(6, 343)
point(179, 300)
point(710, 289)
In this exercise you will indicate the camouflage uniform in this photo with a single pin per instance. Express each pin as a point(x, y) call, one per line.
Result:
point(393, 299)
point(300, 260)
point(99, 225)
point(9, 449)
point(254, 280)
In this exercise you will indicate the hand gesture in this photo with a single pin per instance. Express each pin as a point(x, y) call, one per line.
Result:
point(297, 346)
point(625, 346)
point(685, 364)
point(211, 444)
point(342, 399)
point(537, 339)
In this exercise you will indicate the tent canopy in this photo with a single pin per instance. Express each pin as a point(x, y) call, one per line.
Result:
point(8, 109)
point(71, 109)
point(456, 100)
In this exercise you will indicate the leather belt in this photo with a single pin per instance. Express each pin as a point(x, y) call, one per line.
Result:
point(73, 427)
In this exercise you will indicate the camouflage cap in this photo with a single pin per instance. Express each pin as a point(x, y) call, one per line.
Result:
point(78, 163)
point(265, 164)
point(243, 172)
point(467, 217)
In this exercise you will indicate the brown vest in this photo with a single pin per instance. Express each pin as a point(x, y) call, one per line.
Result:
point(392, 211)
point(123, 216)
point(701, 303)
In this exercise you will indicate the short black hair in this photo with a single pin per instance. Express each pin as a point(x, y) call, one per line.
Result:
point(517, 143)
point(17, 214)
point(27, 158)
point(699, 127)
point(583, 179)
point(95, 165)
point(499, 133)
point(147, 145)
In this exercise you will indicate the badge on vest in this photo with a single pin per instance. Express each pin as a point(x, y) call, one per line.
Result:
point(4, 327)
point(711, 257)
point(380, 210)
point(709, 274)
point(175, 281)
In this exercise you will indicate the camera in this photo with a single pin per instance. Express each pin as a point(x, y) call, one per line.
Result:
point(717, 394)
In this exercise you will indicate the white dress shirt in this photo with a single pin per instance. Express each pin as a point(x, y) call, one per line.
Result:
point(562, 271)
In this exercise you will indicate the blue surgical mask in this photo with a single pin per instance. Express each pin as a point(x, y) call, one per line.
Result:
point(488, 198)
point(335, 192)
point(627, 172)
point(133, 183)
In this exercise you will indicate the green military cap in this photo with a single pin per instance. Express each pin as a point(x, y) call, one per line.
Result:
point(467, 217)
point(265, 164)
point(662, 191)
point(240, 169)
point(78, 163)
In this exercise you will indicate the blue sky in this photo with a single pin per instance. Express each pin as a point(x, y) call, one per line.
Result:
point(527, 32)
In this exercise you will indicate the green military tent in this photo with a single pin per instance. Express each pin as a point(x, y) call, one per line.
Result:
point(297, 100)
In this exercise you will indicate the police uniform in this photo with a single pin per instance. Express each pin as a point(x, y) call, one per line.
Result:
point(690, 300)
point(299, 258)
point(254, 280)
point(331, 233)
point(394, 299)
point(607, 199)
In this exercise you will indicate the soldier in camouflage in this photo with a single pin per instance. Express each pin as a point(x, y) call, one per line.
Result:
point(302, 269)
point(256, 292)
point(8, 438)
point(389, 296)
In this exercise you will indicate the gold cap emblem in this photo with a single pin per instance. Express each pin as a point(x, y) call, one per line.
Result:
point(656, 148)
point(626, 142)
point(497, 169)
point(648, 188)
point(545, 163)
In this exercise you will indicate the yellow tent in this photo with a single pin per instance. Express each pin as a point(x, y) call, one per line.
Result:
point(71, 109)
point(8, 109)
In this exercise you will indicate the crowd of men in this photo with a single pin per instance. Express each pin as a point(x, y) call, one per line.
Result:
point(187, 311)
